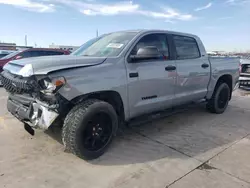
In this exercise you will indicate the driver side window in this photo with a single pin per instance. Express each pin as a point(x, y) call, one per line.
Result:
point(157, 40)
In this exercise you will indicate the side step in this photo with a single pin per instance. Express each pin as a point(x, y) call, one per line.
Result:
point(162, 114)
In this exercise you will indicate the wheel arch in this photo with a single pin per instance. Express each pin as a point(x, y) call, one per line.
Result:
point(228, 79)
point(109, 96)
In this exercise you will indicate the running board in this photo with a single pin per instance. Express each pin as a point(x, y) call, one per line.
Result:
point(162, 114)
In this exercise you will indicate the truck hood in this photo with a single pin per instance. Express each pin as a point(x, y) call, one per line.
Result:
point(44, 65)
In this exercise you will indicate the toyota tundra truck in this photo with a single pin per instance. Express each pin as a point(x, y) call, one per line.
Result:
point(116, 80)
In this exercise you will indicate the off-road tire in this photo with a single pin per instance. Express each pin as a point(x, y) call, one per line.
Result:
point(76, 121)
point(213, 103)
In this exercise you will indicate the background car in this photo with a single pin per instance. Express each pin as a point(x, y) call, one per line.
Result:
point(4, 53)
point(32, 52)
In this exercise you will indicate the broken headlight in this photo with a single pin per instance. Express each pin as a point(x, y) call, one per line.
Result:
point(51, 85)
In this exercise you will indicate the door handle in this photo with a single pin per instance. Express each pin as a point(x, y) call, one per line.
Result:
point(133, 74)
point(170, 68)
point(205, 65)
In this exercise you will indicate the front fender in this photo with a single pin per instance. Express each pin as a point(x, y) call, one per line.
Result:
point(101, 78)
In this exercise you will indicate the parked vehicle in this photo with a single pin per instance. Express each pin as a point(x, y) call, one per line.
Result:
point(31, 52)
point(244, 73)
point(4, 53)
point(118, 79)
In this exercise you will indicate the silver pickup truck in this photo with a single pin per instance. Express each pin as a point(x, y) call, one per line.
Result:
point(118, 78)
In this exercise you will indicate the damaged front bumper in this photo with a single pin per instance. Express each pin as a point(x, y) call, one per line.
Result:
point(31, 112)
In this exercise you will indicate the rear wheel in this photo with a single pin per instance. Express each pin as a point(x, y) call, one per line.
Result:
point(219, 101)
point(89, 128)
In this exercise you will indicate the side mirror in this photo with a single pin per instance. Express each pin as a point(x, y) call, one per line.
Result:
point(146, 53)
point(18, 57)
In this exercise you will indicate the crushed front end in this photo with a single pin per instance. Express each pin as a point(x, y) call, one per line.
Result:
point(33, 101)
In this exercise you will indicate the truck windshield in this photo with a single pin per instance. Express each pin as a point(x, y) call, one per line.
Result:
point(87, 44)
point(109, 45)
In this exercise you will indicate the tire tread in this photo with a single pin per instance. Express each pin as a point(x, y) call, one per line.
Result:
point(211, 103)
point(72, 123)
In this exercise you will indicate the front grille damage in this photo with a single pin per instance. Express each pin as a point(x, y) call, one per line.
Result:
point(26, 92)
point(27, 103)
point(16, 84)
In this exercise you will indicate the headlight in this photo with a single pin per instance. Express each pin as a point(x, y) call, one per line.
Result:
point(26, 71)
point(52, 85)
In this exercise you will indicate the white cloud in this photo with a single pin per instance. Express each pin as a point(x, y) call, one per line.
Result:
point(30, 5)
point(92, 8)
point(169, 14)
point(114, 9)
point(204, 7)
point(237, 2)
point(125, 7)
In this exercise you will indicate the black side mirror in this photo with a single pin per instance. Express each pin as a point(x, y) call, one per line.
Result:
point(146, 53)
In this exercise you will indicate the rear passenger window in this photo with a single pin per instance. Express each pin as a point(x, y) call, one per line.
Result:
point(186, 47)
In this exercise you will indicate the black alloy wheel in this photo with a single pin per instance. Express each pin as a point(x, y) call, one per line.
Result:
point(97, 132)
point(220, 99)
point(223, 98)
point(89, 128)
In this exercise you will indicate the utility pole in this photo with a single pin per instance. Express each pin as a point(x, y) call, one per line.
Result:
point(97, 33)
point(25, 40)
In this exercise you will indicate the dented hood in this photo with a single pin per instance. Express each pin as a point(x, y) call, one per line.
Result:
point(44, 65)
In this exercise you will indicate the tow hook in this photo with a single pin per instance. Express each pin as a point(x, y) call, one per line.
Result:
point(29, 129)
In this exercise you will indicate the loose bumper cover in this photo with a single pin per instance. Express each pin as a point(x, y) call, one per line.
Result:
point(35, 114)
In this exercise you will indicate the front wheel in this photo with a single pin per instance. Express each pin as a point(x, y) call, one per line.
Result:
point(89, 128)
point(219, 101)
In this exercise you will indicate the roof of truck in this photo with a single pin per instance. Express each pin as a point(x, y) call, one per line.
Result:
point(159, 30)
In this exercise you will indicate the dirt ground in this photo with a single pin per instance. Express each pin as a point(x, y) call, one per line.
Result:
point(190, 149)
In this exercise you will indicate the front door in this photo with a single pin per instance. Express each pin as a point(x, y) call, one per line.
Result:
point(193, 71)
point(150, 83)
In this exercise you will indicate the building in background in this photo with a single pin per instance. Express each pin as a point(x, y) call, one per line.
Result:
point(63, 47)
point(7, 46)
point(12, 47)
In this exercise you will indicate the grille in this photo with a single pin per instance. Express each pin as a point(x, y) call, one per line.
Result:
point(15, 84)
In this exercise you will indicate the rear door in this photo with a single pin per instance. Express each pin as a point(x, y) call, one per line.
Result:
point(193, 70)
point(150, 85)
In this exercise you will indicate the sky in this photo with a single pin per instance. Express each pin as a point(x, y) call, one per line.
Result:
point(221, 24)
